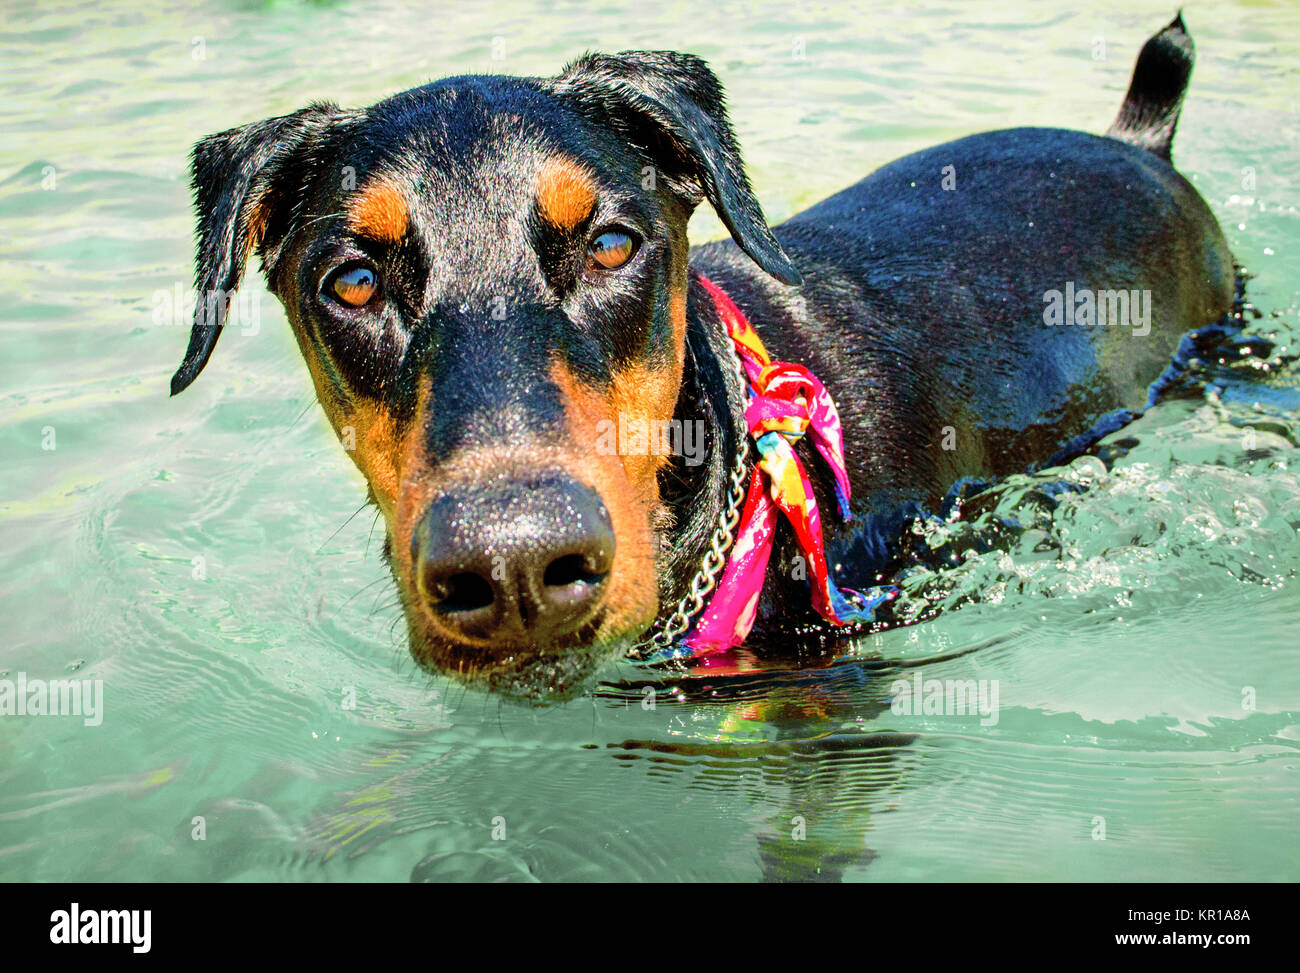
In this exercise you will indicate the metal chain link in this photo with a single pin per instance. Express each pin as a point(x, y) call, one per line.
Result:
point(724, 535)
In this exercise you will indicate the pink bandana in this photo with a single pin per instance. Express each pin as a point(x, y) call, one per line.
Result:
point(786, 403)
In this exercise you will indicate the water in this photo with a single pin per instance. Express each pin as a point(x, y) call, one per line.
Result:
point(197, 557)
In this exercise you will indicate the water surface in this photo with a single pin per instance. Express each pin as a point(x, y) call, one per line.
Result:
point(197, 556)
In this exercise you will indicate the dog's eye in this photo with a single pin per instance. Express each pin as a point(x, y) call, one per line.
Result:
point(610, 249)
point(352, 285)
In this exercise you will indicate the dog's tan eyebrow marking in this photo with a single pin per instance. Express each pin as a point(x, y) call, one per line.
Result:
point(566, 192)
point(379, 211)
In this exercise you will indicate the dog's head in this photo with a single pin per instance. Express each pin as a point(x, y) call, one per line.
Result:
point(487, 275)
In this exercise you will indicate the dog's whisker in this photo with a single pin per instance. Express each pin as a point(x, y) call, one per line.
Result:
point(326, 216)
point(305, 409)
point(364, 588)
point(389, 606)
point(340, 528)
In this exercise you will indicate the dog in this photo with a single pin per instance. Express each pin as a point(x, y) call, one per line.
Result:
point(488, 275)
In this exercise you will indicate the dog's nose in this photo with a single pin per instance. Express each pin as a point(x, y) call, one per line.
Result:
point(517, 565)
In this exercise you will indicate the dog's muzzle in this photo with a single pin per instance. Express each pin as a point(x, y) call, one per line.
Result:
point(515, 567)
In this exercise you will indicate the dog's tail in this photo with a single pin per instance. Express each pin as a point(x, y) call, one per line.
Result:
point(1155, 95)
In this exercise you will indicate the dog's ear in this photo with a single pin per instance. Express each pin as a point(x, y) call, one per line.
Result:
point(673, 104)
point(242, 193)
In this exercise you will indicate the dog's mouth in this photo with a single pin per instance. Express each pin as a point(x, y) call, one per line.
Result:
point(555, 671)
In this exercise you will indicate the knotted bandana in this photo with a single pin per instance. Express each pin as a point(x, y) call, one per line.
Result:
point(786, 403)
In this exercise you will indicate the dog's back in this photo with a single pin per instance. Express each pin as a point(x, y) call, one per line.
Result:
point(985, 305)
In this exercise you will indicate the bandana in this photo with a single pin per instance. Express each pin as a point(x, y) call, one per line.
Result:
point(786, 403)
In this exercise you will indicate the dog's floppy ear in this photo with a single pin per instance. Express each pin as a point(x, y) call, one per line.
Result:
point(239, 178)
point(673, 104)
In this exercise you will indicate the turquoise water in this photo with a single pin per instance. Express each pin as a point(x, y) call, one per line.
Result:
point(197, 558)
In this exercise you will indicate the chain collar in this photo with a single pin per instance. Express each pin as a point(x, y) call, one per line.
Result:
point(724, 535)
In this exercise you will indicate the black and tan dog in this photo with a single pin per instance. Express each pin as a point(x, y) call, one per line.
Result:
point(486, 272)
